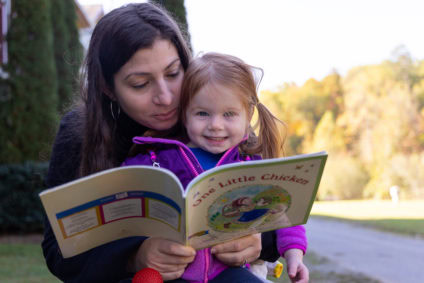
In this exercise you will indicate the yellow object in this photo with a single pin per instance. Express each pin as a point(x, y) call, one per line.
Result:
point(275, 269)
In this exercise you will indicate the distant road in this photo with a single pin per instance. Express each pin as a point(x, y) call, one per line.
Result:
point(384, 256)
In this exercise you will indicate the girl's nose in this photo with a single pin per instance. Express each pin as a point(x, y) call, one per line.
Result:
point(215, 123)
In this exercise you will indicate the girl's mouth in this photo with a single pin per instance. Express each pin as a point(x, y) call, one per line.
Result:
point(216, 139)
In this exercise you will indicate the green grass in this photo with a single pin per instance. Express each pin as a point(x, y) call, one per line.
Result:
point(406, 217)
point(410, 227)
point(23, 263)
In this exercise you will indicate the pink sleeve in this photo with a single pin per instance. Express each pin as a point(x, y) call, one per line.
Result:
point(291, 238)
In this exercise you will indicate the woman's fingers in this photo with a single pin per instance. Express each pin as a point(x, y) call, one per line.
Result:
point(238, 258)
point(174, 260)
point(238, 244)
point(176, 249)
point(163, 255)
point(240, 251)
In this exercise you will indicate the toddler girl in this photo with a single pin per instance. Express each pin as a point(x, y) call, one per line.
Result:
point(218, 99)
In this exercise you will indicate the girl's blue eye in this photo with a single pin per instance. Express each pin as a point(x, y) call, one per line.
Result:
point(202, 113)
point(229, 114)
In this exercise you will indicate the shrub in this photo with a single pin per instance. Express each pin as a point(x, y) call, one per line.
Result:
point(403, 171)
point(20, 206)
point(343, 178)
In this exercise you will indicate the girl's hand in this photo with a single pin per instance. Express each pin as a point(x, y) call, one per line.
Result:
point(167, 257)
point(296, 269)
point(240, 251)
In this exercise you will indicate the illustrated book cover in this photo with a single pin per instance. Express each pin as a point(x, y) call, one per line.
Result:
point(221, 204)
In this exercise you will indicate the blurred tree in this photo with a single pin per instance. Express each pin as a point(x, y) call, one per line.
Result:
point(371, 122)
point(60, 39)
point(284, 105)
point(178, 11)
point(333, 90)
point(75, 53)
point(419, 87)
point(327, 136)
point(313, 101)
point(405, 68)
point(31, 108)
point(344, 178)
point(68, 49)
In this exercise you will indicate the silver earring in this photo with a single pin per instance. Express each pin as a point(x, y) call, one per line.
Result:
point(111, 111)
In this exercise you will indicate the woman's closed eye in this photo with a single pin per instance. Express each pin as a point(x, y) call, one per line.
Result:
point(173, 74)
point(138, 82)
point(140, 85)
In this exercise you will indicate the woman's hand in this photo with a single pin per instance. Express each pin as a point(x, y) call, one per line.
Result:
point(296, 269)
point(167, 257)
point(240, 251)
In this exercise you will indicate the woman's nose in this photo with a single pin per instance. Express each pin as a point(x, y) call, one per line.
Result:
point(163, 94)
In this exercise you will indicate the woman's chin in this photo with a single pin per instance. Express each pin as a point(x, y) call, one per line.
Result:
point(163, 126)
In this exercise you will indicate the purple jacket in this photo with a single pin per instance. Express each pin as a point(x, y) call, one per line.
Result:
point(178, 158)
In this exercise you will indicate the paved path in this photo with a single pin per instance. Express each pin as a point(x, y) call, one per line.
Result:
point(384, 256)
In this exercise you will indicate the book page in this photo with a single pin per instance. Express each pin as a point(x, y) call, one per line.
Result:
point(114, 204)
point(239, 199)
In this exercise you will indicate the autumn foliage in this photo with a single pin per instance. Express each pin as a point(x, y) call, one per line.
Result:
point(371, 121)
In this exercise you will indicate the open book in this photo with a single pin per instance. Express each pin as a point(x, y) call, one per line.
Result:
point(221, 204)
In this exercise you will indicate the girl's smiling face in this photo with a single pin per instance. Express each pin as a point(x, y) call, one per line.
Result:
point(216, 119)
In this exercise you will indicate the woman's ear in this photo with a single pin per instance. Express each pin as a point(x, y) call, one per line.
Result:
point(106, 89)
point(109, 93)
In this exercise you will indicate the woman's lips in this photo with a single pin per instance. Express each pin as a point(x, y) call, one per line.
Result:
point(166, 116)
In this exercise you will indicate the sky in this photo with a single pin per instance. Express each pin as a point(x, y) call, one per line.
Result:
point(295, 40)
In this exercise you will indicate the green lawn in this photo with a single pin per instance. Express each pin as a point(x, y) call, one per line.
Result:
point(23, 263)
point(405, 217)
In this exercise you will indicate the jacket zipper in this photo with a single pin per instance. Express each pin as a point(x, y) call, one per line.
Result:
point(207, 255)
point(228, 152)
point(221, 160)
point(194, 171)
point(190, 163)
point(207, 252)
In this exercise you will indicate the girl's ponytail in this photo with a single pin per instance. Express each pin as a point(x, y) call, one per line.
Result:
point(271, 135)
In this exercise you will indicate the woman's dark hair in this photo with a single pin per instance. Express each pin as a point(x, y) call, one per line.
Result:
point(115, 39)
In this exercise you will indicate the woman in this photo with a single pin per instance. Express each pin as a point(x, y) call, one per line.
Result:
point(131, 83)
